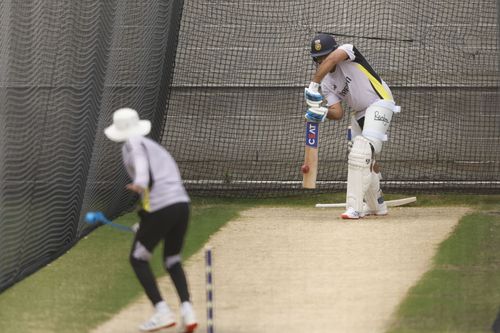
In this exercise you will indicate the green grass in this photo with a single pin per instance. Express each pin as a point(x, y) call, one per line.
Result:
point(94, 280)
point(461, 293)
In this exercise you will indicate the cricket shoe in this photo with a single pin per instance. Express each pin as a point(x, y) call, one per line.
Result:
point(158, 321)
point(380, 211)
point(351, 214)
point(189, 327)
point(189, 322)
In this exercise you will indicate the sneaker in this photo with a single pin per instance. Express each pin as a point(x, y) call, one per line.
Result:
point(158, 321)
point(189, 322)
point(380, 211)
point(351, 214)
point(189, 327)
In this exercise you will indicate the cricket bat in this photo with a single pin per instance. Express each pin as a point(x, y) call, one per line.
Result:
point(310, 167)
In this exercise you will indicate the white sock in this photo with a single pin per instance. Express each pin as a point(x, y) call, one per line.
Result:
point(162, 307)
point(186, 307)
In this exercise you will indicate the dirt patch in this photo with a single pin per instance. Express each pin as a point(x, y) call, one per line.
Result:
point(305, 270)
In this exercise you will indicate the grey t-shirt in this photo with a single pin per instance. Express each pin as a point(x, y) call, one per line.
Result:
point(143, 158)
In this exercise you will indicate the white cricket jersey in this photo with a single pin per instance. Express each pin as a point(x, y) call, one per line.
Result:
point(143, 157)
point(355, 82)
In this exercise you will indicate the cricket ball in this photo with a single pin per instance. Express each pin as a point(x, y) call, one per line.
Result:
point(304, 168)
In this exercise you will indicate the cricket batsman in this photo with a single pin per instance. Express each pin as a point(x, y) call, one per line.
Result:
point(344, 75)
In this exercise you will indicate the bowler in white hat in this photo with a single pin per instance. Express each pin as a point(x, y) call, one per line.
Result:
point(126, 124)
point(163, 213)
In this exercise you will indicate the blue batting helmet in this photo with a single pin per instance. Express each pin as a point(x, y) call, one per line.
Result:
point(322, 44)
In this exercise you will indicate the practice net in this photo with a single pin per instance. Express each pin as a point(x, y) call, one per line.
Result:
point(65, 67)
point(231, 110)
point(235, 118)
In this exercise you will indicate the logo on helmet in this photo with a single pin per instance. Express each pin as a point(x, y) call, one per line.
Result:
point(317, 45)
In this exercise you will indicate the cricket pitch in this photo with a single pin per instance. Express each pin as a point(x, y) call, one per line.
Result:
point(304, 269)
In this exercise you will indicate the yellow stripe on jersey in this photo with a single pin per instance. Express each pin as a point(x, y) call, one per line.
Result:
point(377, 85)
point(146, 204)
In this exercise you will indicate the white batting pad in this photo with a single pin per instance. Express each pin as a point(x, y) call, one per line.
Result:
point(358, 173)
point(373, 192)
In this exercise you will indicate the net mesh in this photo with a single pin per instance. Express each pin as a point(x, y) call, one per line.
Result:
point(231, 112)
point(66, 66)
point(235, 120)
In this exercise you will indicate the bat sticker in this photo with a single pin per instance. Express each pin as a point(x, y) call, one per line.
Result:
point(312, 134)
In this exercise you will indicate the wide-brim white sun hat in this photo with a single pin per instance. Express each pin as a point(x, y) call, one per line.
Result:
point(126, 124)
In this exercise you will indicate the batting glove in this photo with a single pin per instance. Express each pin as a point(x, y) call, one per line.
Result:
point(316, 115)
point(312, 95)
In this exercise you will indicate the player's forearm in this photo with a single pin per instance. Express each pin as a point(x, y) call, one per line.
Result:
point(322, 70)
point(135, 188)
point(329, 64)
point(335, 112)
point(333, 116)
